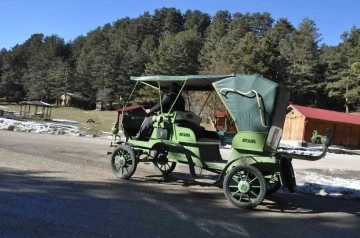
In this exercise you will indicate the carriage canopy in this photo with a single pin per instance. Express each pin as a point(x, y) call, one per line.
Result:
point(254, 102)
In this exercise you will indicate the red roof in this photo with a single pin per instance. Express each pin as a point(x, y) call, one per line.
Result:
point(327, 115)
point(129, 108)
point(221, 114)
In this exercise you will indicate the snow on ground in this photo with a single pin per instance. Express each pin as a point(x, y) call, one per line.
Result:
point(48, 128)
point(327, 181)
point(65, 121)
point(318, 183)
point(317, 178)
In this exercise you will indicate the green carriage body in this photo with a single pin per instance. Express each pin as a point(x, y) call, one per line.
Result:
point(258, 108)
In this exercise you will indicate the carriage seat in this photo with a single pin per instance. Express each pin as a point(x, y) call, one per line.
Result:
point(189, 120)
point(187, 116)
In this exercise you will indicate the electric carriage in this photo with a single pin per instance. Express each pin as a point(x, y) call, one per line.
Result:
point(255, 168)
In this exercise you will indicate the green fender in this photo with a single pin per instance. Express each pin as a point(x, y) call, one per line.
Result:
point(232, 164)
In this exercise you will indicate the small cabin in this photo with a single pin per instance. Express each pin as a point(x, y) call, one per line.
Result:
point(301, 122)
point(224, 123)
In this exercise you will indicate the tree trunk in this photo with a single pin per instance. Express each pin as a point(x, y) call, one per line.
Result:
point(347, 100)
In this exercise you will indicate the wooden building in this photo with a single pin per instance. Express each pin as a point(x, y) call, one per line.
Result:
point(223, 123)
point(301, 122)
point(73, 100)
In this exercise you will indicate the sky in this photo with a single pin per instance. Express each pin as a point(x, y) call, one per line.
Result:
point(19, 19)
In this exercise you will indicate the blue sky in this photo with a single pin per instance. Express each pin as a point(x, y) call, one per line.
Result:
point(19, 19)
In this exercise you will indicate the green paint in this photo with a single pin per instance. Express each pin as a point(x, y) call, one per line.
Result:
point(253, 141)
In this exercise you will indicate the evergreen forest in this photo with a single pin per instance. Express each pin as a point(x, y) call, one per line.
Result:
point(98, 66)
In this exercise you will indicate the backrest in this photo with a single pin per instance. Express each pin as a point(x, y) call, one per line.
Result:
point(187, 116)
point(189, 120)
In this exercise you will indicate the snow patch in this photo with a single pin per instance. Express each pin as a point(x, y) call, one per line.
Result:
point(324, 185)
point(47, 128)
point(65, 121)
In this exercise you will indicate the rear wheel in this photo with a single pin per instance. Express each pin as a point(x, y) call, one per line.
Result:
point(244, 186)
point(161, 162)
point(123, 162)
point(272, 184)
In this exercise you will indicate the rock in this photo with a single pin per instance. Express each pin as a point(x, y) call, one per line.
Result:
point(10, 128)
point(61, 132)
point(81, 134)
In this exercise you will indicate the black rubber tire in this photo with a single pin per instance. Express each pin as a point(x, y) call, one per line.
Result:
point(258, 187)
point(126, 171)
point(289, 175)
point(272, 186)
point(163, 165)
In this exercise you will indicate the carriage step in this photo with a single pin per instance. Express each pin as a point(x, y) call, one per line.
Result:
point(204, 180)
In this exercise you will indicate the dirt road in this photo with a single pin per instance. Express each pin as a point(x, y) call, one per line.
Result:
point(62, 186)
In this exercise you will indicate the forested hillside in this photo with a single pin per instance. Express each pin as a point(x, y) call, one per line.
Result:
point(170, 42)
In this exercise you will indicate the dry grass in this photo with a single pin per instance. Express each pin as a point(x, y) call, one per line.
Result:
point(103, 119)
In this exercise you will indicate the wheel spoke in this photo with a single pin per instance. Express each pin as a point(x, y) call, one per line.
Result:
point(122, 170)
point(248, 197)
point(256, 186)
point(235, 193)
point(254, 194)
point(235, 180)
point(247, 175)
point(253, 180)
point(233, 186)
point(240, 197)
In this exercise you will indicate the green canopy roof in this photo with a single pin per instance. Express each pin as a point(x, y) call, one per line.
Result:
point(252, 101)
point(193, 82)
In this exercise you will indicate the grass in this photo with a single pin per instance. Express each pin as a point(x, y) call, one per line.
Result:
point(103, 119)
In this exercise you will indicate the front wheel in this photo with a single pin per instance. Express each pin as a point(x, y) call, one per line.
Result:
point(123, 161)
point(244, 186)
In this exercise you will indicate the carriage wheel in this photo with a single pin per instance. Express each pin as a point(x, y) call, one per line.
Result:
point(161, 162)
point(289, 175)
point(244, 186)
point(123, 162)
point(272, 184)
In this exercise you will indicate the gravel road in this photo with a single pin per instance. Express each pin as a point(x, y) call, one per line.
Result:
point(62, 186)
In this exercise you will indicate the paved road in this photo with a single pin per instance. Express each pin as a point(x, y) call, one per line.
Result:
point(62, 186)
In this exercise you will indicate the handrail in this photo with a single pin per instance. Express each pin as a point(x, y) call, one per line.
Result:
point(325, 140)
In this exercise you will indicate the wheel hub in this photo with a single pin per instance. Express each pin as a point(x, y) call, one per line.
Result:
point(122, 161)
point(244, 186)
